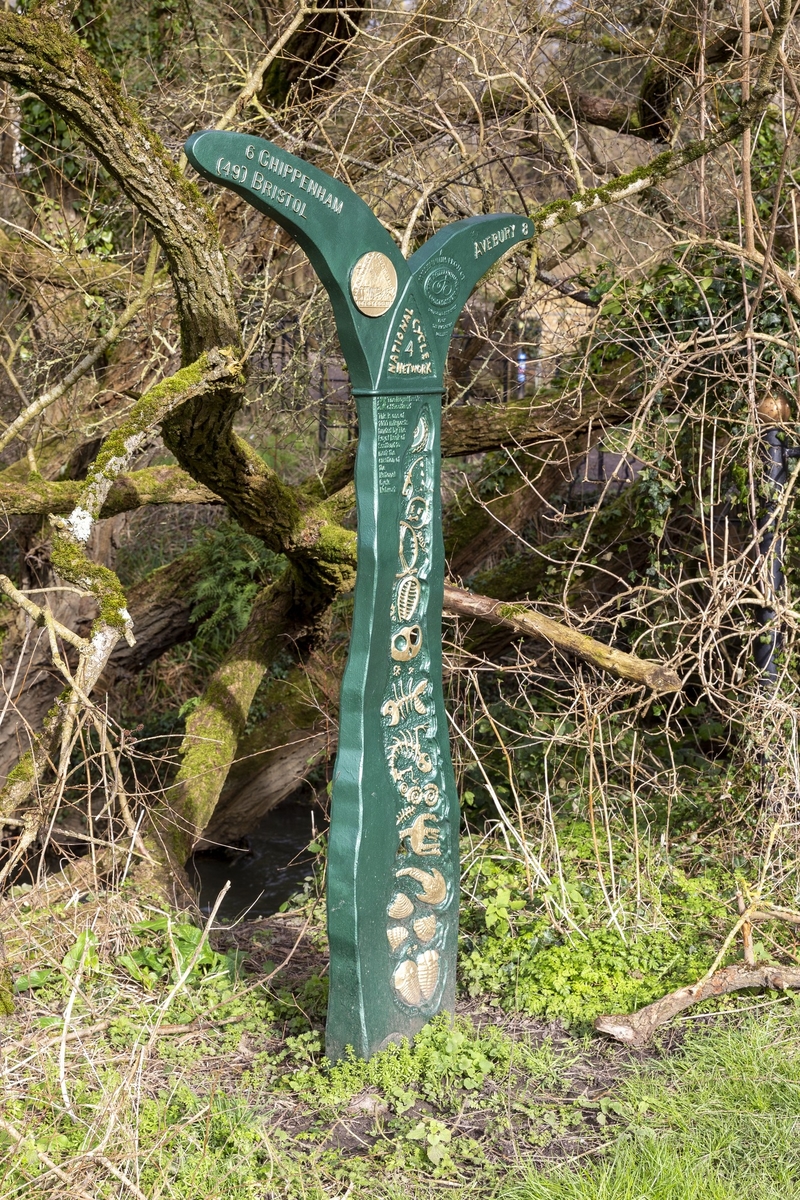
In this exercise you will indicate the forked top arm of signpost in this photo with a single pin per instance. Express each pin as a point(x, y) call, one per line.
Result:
point(336, 228)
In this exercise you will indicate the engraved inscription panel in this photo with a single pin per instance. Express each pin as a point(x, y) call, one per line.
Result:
point(441, 285)
point(390, 434)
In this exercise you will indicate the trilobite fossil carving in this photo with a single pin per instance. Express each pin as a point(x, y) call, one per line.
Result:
point(406, 981)
point(412, 543)
point(427, 972)
point(409, 591)
point(415, 979)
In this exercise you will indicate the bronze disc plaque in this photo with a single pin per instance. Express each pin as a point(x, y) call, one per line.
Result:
point(373, 284)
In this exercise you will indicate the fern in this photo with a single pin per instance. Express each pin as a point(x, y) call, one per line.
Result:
point(234, 567)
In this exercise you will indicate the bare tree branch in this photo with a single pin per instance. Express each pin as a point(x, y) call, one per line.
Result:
point(532, 624)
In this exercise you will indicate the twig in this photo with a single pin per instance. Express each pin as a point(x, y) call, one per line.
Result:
point(76, 983)
point(88, 361)
point(40, 616)
point(747, 932)
point(256, 77)
point(19, 1138)
point(115, 1171)
point(637, 1028)
point(770, 912)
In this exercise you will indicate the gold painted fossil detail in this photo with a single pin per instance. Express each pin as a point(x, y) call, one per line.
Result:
point(402, 703)
point(425, 927)
point(413, 758)
point(400, 907)
point(397, 934)
point(434, 886)
point(415, 979)
point(423, 837)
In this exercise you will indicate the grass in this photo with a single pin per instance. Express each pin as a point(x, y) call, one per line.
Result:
point(717, 1121)
point(117, 1085)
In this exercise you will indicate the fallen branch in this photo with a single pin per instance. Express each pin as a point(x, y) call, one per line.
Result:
point(134, 489)
point(523, 620)
point(637, 1028)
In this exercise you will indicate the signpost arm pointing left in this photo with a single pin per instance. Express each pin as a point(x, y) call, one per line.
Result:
point(328, 220)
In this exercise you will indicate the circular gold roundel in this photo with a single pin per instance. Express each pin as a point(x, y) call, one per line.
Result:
point(373, 284)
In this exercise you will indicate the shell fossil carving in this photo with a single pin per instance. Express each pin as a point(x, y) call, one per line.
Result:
point(396, 934)
point(425, 928)
point(400, 907)
point(415, 979)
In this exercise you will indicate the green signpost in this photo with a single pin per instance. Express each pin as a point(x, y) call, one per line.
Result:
point(393, 873)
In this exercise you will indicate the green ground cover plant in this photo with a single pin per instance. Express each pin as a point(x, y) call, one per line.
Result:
point(717, 1120)
point(116, 1079)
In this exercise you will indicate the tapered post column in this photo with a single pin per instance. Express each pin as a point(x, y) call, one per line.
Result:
point(393, 871)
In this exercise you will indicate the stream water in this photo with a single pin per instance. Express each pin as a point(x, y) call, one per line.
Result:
point(267, 874)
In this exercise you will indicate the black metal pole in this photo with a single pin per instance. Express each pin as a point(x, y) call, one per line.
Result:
point(771, 548)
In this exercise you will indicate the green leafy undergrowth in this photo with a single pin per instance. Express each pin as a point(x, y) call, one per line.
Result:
point(432, 1095)
point(561, 950)
point(226, 1092)
point(443, 1061)
point(167, 949)
point(233, 568)
point(718, 1121)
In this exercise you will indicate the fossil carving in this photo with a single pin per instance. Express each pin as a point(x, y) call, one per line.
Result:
point(434, 885)
point(420, 435)
point(400, 907)
point(409, 486)
point(406, 981)
point(409, 739)
point(425, 928)
point(406, 748)
point(429, 795)
point(403, 702)
point(415, 979)
point(406, 643)
point(396, 934)
point(418, 511)
point(428, 972)
point(409, 591)
point(411, 543)
point(422, 837)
